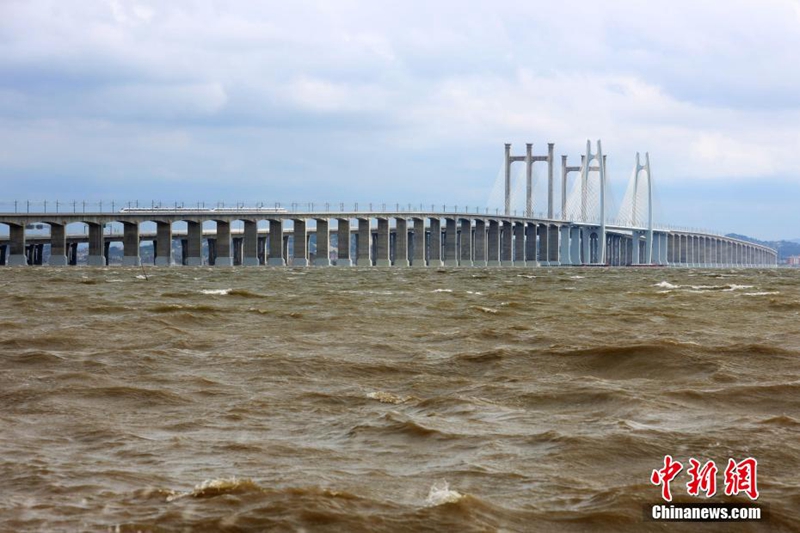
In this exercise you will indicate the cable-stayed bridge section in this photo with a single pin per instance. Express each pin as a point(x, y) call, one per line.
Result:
point(582, 234)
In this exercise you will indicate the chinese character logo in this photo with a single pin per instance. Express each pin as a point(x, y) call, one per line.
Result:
point(739, 477)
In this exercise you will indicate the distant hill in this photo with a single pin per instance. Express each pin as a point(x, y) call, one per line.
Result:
point(785, 248)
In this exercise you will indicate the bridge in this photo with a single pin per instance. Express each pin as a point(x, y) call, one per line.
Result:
point(582, 234)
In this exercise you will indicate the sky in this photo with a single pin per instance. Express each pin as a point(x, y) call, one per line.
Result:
point(401, 102)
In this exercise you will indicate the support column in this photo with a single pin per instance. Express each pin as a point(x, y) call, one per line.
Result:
point(586, 242)
point(237, 249)
point(323, 257)
point(364, 243)
point(72, 256)
point(16, 255)
point(223, 255)
point(435, 252)
point(3, 253)
point(212, 251)
point(58, 245)
point(106, 249)
point(130, 245)
point(506, 243)
point(262, 250)
point(164, 243)
point(552, 245)
point(493, 239)
point(419, 243)
point(276, 255)
point(636, 248)
point(480, 243)
point(300, 247)
point(530, 244)
point(465, 253)
point(194, 234)
point(575, 245)
point(401, 242)
point(343, 243)
point(450, 242)
point(250, 255)
point(519, 244)
point(564, 240)
point(542, 232)
point(184, 251)
point(96, 257)
point(382, 257)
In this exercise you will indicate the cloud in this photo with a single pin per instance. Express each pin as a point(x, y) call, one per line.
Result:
point(407, 91)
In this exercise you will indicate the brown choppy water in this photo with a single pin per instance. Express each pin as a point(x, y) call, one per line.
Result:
point(389, 399)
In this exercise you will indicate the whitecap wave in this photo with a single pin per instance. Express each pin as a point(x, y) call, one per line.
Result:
point(440, 494)
point(387, 397)
point(216, 291)
point(667, 285)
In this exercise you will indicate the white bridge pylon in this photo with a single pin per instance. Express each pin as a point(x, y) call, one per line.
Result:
point(637, 203)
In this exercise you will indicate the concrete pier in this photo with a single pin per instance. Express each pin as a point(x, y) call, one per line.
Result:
point(401, 242)
point(343, 243)
point(435, 248)
point(276, 255)
point(519, 244)
point(163, 247)
point(382, 257)
point(480, 252)
point(541, 232)
point(552, 245)
point(465, 243)
point(194, 238)
point(506, 244)
point(364, 244)
point(450, 244)
point(530, 244)
point(564, 245)
point(323, 243)
point(418, 243)
point(58, 245)
point(223, 256)
point(250, 244)
point(16, 253)
point(493, 244)
point(300, 243)
point(96, 257)
point(130, 245)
